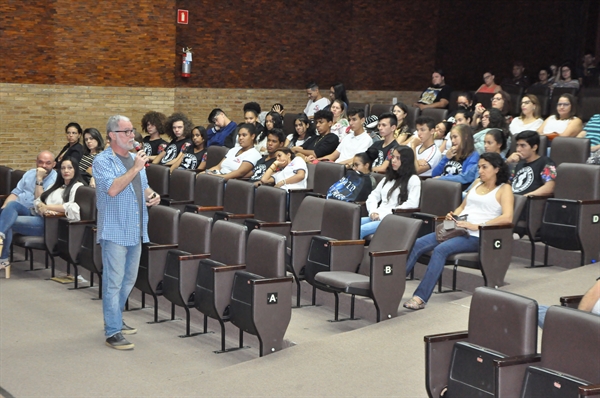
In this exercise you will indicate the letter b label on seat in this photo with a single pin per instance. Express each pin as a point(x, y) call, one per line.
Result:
point(388, 270)
point(272, 298)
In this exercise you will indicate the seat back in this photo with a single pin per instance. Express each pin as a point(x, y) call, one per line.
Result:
point(326, 174)
point(158, 179)
point(503, 322)
point(378, 109)
point(5, 174)
point(214, 154)
point(438, 197)
point(270, 204)
point(209, 190)
point(86, 199)
point(361, 105)
point(341, 220)
point(570, 343)
point(411, 116)
point(194, 233)
point(310, 181)
point(516, 93)
point(570, 150)
point(484, 99)
point(163, 224)
point(288, 123)
point(310, 214)
point(228, 243)
point(239, 197)
point(577, 181)
point(265, 254)
point(15, 177)
point(181, 185)
point(588, 106)
point(394, 233)
point(436, 114)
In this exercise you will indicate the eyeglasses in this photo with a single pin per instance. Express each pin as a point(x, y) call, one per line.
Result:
point(525, 102)
point(126, 132)
point(487, 77)
point(563, 104)
point(497, 99)
point(485, 117)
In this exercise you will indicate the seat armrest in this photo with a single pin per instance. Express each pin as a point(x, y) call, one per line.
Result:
point(229, 268)
point(194, 257)
point(155, 247)
point(428, 216)
point(540, 197)
point(510, 372)
point(199, 209)
point(300, 190)
point(388, 253)
point(496, 226)
point(593, 390)
point(404, 211)
point(517, 360)
point(453, 336)
point(233, 216)
point(306, 233)
point(316, 195)
point(438, 353)
point(570, 301)
point(57, 215)
point(171, 202)
point(83, 222)
point(268, 281)
point(269, 224)
point(590, 202)
point(360, 242)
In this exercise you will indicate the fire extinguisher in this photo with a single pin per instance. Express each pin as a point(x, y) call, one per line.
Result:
point(186, 62)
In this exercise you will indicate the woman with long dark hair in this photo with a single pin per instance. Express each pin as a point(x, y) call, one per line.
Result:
point(303, 130)
point(272, 120)
point(399, 189)
point(73, 149)
point(496, 121)
point(241, 159)
point(94, 144)
point(489, 202)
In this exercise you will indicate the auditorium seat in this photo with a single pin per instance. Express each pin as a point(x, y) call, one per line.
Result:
point(589, 102)
point(181, 189)
point(158, 179)
point(438, 115)
point(261, 298)
point(570, 150)
point(361, 105)
point(15, 177)
point(238, 203)
point(378, 109)
point(487, 359)
point(214, 155)
point(90, 255)
point(381, 274)
point(516, 94)
point(209, 192)
point(411, 117)
point(484, 99)
point(270, 205)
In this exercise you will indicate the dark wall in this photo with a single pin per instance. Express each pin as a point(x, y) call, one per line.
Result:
point(391, 45)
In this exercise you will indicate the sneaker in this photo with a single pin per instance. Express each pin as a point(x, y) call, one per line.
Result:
point(127, 329)
point(119, 342)
point(4, 263)
point(81, 279)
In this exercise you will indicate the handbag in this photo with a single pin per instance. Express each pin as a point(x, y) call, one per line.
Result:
point(448, 230)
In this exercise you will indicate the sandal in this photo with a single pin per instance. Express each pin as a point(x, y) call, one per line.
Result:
point(413, 304)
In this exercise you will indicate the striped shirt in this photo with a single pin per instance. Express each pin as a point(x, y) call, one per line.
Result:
point(119, 215)
point(592, 130)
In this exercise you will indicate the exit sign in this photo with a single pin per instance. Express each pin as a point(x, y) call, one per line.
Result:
point(183, 16)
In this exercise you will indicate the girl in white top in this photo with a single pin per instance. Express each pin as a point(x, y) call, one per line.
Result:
point(239, 160)
point(563, 122)
point(530, 115)
point(399, 189)
point(341, 126)
point(287, 172)
point(303, 129)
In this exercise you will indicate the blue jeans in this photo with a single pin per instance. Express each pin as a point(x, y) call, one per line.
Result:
point(17, 217)
point(119, 271)
point(460, 244)
point(367, 226)
point(542, 309)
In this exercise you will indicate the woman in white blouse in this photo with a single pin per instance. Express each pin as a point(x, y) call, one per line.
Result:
point(563, 122)
point(399, 189)
point(241, 159)
point(530, 118)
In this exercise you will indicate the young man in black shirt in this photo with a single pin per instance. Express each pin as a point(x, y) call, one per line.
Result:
point(321, 144)
point(534, 175)
point(275, 140)
point(387, 125)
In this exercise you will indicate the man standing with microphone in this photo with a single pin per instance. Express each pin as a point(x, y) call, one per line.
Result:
point(122, 195)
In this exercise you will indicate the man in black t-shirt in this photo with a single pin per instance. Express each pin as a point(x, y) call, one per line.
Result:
point(275, 140)
point(321, 144)
point(437, 95)
point(534, 175)
point(387, 125)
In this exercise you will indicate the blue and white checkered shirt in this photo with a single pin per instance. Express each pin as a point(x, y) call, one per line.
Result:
point(118, 216)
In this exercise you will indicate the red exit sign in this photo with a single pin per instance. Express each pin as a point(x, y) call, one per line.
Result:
point(183, 16)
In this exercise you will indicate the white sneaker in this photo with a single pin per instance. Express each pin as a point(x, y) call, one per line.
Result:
point(81, 279)
point(516, 236)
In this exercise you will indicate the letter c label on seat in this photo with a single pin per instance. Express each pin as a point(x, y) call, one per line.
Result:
point(272, 298)
point(497, 244)
point(388, 270)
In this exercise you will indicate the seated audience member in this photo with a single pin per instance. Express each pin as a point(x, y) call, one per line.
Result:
point(340, 127)
point(461, 116)
point(592, 131)
point(563, 122)
point(193, 158)
point(20, 201)
point(252, 111)
point(530, 118)
point(399, 189)
point(59, 198)
point(363, 163)
point(441, 136)
point(179, 128)
point(519, 79)
point(322, 144)
point(544, 78)
point(566, 77)
point(355, 185)
point(489, 85)
point(73, 149)
point(553, 74)
point(590, 302)
point(490, 202)
point(316, 102)
point(277, 107)
point(94, 144)
point(402, 133)
point(461, 157)
point(371, 126)
point(534, 175)
point(357, 141)
point(303, 130)
point(386, 125)
point(287, 172)
point(501, 101)
point(426, 153)
point(588, 71)
point(437, 95)
point(223, 128)
point(153, 123)
point(338, 92)
point(495, 141)
point(496, 121)
point(273, 120)
point(241, 159)
point(275, 140)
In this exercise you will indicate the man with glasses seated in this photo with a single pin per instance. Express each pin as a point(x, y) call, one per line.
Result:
point(222, 130)
point(437, 95)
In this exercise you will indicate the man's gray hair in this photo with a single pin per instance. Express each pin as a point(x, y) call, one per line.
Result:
point(113, 122)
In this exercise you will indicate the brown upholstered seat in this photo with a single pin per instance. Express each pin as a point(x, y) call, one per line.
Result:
point(214, 155)
point(436, 114)
point(181, 189)
point(570, 150)
point(209, 192)
point(158, 179)
point(238, 203)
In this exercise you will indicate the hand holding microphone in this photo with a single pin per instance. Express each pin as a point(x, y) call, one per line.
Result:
point(141, 153)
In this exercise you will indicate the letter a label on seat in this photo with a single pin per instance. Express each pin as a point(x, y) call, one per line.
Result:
point(388, 270)
point(497, 244)
point(272, 298)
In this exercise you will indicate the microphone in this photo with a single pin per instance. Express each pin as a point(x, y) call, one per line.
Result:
point(138, 147)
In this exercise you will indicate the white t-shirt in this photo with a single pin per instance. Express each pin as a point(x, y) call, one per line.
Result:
point(517, 126)
point(233, 161)
point(353, 144)
point(554, 125)
point(291, 170)
point(312, 107)
point(431, 155)
point(299, 142)
point(379, 203)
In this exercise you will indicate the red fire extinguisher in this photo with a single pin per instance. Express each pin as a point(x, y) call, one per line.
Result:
point(186, 62)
